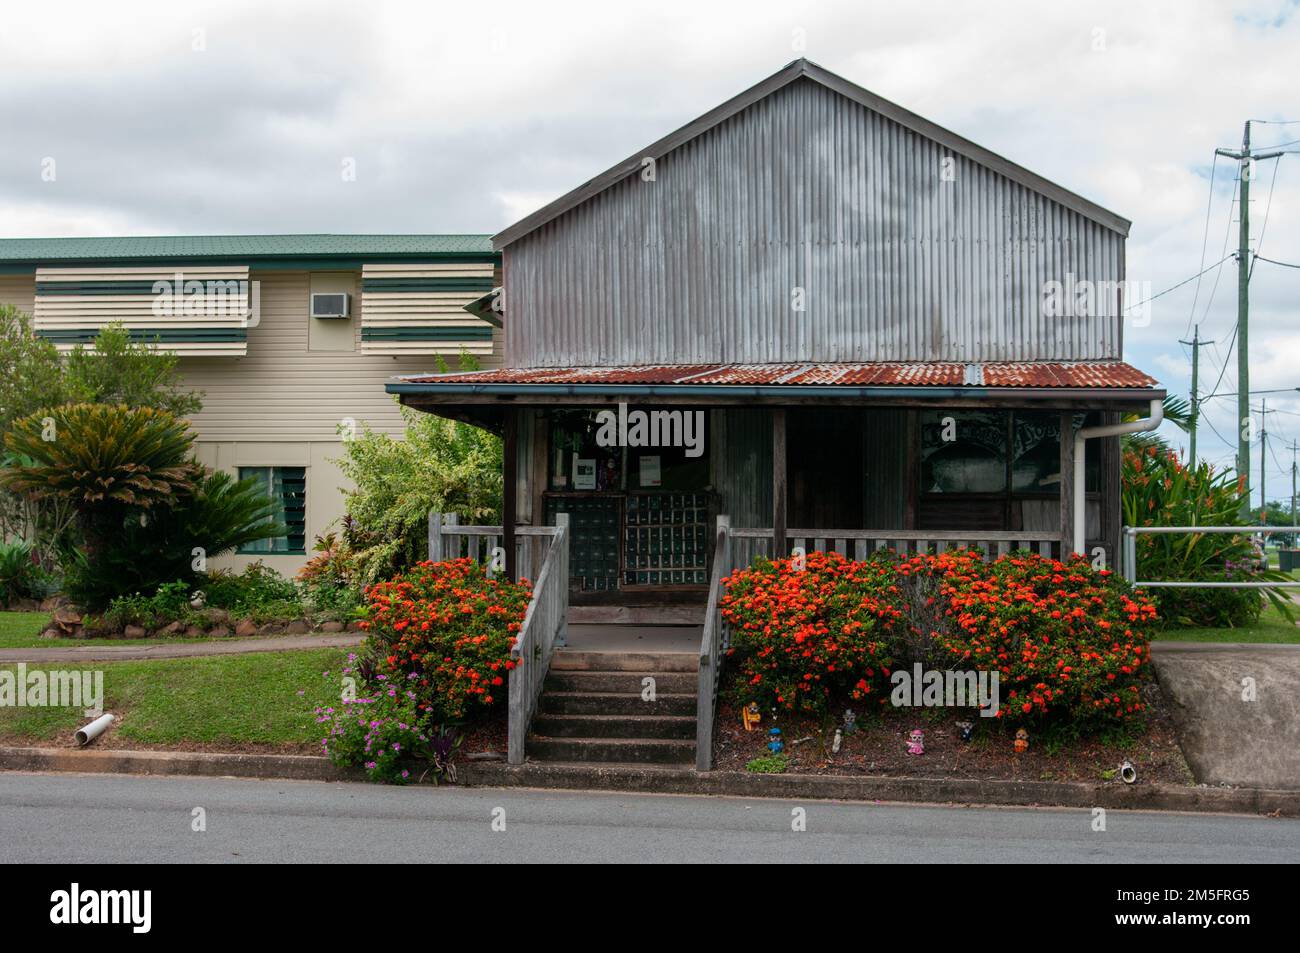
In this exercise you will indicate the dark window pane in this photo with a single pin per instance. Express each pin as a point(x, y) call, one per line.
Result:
point(963, 452)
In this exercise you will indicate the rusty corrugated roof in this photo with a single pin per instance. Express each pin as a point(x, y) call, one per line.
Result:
point(1038, 374)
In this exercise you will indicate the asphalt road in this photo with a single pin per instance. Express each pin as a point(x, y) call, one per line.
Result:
point(119, 819)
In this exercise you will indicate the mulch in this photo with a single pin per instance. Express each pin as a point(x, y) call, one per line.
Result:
point(879, 747)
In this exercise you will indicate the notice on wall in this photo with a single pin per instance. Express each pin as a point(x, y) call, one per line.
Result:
point(650, 472)
point(584, 473)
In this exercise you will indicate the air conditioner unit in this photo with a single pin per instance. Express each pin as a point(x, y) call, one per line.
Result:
point(330, 307)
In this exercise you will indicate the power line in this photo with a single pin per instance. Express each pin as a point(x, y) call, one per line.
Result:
point(1177, 286)
point(1284, 264)
point(1267, 206)
point(1205, 239)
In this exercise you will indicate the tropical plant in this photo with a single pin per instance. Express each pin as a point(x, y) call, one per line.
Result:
point(166, 544)
point(107, 461)
point(19, 572)
point(1160, 491)
point(440, 465)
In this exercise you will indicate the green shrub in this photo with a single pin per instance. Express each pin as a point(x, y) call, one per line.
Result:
point(768, 764)
point(438, 465)
point(1160, 491)
point(170, 603)
point(20, 576)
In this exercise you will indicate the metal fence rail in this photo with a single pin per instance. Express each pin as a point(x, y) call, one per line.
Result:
point(1128, 555)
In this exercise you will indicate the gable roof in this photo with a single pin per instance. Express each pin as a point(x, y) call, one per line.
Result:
point(241, 247)
point(806, 69)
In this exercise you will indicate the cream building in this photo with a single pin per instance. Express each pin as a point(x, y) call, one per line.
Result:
point(288, 368)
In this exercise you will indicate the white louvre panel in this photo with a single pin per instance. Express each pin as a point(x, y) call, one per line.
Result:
point(201, 311)
point(419, 308)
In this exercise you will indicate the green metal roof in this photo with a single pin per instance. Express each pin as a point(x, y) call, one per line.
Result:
point(242, 247)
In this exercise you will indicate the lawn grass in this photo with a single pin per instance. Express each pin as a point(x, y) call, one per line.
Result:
point(1271, 627)
point(230, 700)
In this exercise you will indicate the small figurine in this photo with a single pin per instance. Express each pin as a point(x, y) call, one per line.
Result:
point(1022, 741)
point(750, 716)
point(850, 721)
point(197, 599)
point(916, 742)
point(837, 742)
point(775, 745)
point(966, 729)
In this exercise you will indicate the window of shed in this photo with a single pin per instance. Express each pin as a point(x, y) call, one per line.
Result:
point(963, 452)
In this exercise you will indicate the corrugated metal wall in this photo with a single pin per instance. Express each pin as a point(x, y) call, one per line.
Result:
point(807, 189)
point(741, 449)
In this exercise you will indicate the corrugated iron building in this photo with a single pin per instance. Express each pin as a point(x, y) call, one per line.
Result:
point(910, 320)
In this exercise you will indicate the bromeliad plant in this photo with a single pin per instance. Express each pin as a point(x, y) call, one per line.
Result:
point(445, 630)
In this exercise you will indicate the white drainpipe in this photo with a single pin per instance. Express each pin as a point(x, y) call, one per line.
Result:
point(1110, 430)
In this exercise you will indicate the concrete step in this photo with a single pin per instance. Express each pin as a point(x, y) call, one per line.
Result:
point(615, 726)
point(680, 683)
point(571, 660)
point(622, 703)
point(609, 750)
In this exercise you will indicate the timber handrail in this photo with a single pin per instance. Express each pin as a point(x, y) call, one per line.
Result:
point(543, 625)
point(712, 645)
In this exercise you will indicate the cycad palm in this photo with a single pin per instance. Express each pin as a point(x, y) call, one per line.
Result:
point(107, 460)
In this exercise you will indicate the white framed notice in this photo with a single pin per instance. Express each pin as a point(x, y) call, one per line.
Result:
point(651, 474)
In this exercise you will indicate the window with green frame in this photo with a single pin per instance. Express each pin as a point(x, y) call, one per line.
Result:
point(287, 489)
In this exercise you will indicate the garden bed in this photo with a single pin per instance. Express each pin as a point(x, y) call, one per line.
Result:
point(879, 747)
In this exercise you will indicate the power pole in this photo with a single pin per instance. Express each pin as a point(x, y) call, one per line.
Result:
point(1246, 171)
point(1196, 344)
point(1263, 463)
point(1294, 447)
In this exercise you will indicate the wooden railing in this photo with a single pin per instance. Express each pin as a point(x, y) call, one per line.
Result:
point(858, 543)
point(712, 645)
point(544, 623)
point(738, 546)
point(449, 540)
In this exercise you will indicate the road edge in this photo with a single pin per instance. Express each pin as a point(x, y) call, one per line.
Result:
point(660, 780)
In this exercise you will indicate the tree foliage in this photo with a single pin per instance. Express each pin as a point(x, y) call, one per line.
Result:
point(440, 465)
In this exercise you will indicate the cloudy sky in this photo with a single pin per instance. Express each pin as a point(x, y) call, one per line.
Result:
point(237, 117)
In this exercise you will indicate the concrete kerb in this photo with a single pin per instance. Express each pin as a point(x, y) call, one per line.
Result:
point(650, 780)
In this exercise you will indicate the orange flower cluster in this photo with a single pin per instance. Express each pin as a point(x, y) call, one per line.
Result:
point(1068, 641)
point(445, 630)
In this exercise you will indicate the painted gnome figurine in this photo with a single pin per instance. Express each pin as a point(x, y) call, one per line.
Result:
point(750, 716)
point(775, 745)
point(916, 742)
point(1022, 741)
point(965, 729)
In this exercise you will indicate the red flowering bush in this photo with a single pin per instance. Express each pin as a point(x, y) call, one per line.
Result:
point(1069, 643)
point(804, 636)
point(445, 630)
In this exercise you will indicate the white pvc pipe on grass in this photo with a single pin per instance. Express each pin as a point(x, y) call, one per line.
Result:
point(88, 733)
